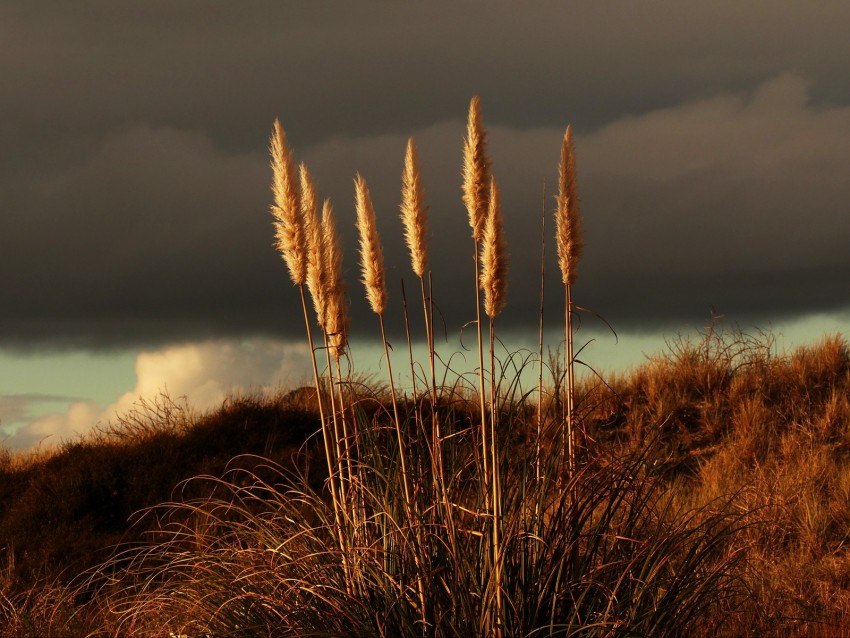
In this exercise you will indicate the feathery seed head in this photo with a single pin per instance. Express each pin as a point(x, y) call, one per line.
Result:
point(315, 246)
point(288, 223)
point(371, 255)
point(414, 214)
point(336, 313)
point(568, 230)
point(494, 256)
point(476, 170)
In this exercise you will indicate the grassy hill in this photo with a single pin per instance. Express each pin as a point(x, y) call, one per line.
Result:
point(62, 511)
point(721, 430)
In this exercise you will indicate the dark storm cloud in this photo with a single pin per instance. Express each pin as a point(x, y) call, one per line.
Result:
point(713, 143)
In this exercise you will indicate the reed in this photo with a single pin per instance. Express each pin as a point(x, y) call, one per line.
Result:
point(288, 222)
point(336, 316)
point(316, 266)
point(335, 323)
point(297, 236)
point(414, 217)
point(570, 245)
point(476, 185)
point(494, 256)
point(494, 283)
point(539, 434)
point(372, 264)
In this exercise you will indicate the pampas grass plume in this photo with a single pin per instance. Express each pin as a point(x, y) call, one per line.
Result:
point(494, 256)
point(371, 255)
point(289, 226)
point(414, 214)
point(476, 170)
point(336, 314)
point(567, 217)
point(316, 270)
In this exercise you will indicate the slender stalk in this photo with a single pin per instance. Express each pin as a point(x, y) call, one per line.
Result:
point(417, 407)
point(326, 433)
point(568, 363)
point(335, 315)
point(496, 503)
point(399, 437)
point(348, 439)
point(481, 395)
point(493, 283)
point(570, 245)
point(429, 328)
point(429, 337)
point(410, 354)
point(337, 476)
point(540, 345)
point(476, 185)
point(346, 436)
point(418, 415)
point(414, 216)
point(338, 439)
point(536, 517)
point(417, 411)
point(372, 264)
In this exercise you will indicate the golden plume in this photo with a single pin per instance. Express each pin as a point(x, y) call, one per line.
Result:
point(371, 255)
point(567, 217)
point(494, 256)
point(476, 170)
point(336, 314)
point(289, 225)
point(414, 214)
point(316, 271)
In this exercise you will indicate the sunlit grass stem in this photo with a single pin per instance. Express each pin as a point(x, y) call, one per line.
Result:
point(414, 217)
point(476, 185)
point(493, 283)
point(539, 435)
point(372, 266)
point(336, 329)
point(570, 246)
point(297, 238)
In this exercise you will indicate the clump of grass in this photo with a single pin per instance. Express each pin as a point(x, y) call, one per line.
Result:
point(486, 531)
point(775, 474)
point(260, 557)
point(714, 501)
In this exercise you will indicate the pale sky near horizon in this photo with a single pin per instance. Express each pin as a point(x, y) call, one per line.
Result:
point(712, 141)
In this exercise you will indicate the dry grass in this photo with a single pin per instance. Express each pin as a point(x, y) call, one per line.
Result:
point(289, 228)
point(336, 312)
point(782, 454)
point(708, 494)
point(476, 170)
point(494, 257)
point(414, 214)
point(371, 254)
point(568, 234)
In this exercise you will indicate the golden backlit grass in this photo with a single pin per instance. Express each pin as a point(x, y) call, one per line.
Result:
point(730, 416)
point(707, 494)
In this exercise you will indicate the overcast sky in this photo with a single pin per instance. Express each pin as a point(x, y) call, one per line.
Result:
point(712, 141)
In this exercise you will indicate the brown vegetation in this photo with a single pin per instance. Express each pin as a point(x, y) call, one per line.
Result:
point(730, 417)
point(704, 493)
